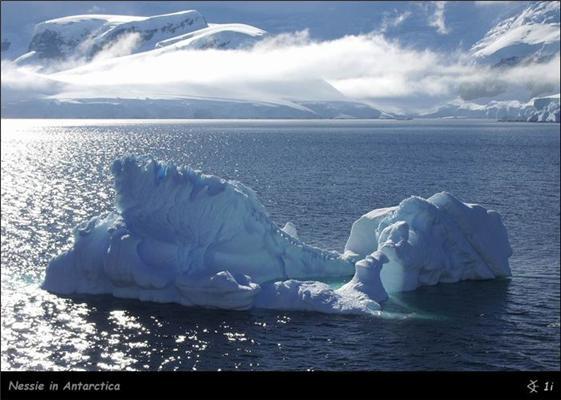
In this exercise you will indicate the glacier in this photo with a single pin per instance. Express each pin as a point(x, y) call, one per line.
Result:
point(179, 235)
point(537, 109)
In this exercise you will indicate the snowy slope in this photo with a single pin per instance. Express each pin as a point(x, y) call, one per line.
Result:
point(534, 31)
point(151, 30)
point(217, 36)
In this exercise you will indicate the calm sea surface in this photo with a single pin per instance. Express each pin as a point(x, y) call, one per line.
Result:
point(321, 175)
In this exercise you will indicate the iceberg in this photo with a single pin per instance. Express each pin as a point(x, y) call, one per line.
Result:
point(178, 235)
point(428, 241)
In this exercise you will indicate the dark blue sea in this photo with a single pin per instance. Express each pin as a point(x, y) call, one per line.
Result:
point(321, 175)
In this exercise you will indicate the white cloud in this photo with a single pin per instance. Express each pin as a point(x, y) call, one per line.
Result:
point(293, 67)
point(299, 38)
point(393, 20)
point(358, 66)
point(123, 46)
point(437, 19)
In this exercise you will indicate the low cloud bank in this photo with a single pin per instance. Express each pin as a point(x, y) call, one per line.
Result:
point(286, 67)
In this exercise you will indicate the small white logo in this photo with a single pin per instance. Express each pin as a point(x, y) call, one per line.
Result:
point(532, 386)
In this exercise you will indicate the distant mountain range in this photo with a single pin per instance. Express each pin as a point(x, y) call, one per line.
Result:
point(75, 45)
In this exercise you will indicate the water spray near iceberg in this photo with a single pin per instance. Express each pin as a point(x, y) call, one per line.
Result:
point(178, 235)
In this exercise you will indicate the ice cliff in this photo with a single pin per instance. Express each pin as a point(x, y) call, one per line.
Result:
point(538, 109)
point(178, 235)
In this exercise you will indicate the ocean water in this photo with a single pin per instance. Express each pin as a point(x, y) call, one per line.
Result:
point(321, 175)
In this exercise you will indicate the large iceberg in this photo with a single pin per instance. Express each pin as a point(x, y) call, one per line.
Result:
point(178, 235)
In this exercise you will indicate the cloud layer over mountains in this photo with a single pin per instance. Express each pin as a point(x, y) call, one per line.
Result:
point(220, 63)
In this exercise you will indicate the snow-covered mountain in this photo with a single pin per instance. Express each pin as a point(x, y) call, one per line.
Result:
point(72, 47)
point(178, 64)
point(215, 36)
point(84, 37)
point(525, 39)
point(532, 33)
point(540, 109)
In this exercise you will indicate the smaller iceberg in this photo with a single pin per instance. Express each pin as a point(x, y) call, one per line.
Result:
point(439, 239)
point(178, 235)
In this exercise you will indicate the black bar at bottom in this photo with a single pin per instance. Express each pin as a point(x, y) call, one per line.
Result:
point(282, 385)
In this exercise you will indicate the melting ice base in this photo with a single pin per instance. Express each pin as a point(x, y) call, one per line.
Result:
point(181, 236)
